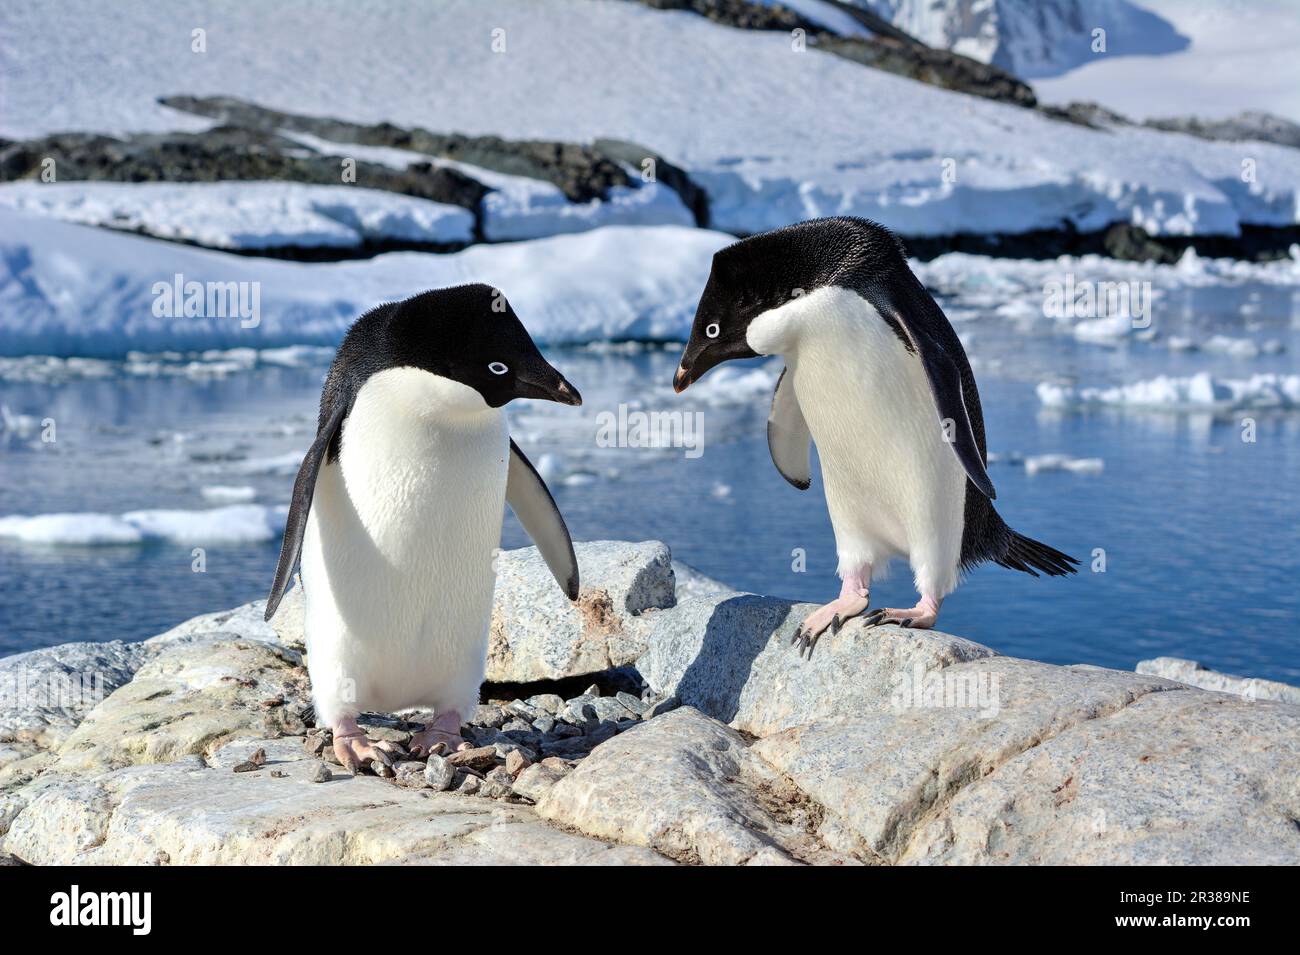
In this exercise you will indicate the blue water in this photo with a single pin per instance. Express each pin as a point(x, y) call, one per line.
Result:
point(1199, 529)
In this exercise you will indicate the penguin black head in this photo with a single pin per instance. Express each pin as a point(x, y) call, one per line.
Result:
point(764, 272)
point(468, 334)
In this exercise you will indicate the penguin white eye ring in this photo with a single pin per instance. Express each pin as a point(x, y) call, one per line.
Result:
point(497, 368)
point(871, 362)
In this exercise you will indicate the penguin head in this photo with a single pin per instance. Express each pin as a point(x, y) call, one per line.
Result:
point(469, 337)
point(745, 310)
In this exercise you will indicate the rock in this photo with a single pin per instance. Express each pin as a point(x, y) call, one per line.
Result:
point(592, 691)
point(730, 657)
point(194, 694)
point(550, 703)
point(321, 774)
point(632, 704)
point(469, 784)
point(411, 774)
point(485, 714)
point(439, 774)
point(686, 786)
point(666, 705)
point(497, 784)
point(198, 815)
point(247, 766)
point(537, 634)
point(46, 693)
point(1193, 674)
point(536, 780)
point(543, 725)
point(565, 729)
point(516, 763)
point(692, 583)
point(521, 710)
point(480, 758)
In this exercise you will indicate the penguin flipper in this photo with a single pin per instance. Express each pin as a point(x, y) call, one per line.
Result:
point(529, 498)
point(304, 487)
point(943, 359)
point(788, 437)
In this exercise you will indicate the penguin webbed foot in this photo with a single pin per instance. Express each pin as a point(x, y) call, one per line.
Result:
point(920, 617)
point(440, 736)
point(831, 616)
point(354, 749)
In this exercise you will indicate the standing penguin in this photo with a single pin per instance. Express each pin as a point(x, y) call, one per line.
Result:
point(876, 376)
point(398, 505)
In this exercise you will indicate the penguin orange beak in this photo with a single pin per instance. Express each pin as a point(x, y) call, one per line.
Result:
point(682, 380)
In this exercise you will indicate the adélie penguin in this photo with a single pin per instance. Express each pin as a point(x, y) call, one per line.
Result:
point(397, 510)
point(877, 378)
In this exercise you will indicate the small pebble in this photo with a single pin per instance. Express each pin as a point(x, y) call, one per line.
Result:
point(314, 743)
point(469, 784)
point(258, 758)
point(544, 724)
point(497, 785)
point(516, 726)
point(516, 763)
point(440, 774)
point(247, 766)
point(321, 774)
point(565, 729)
point(410, 773)
point(382, 770)
point(278, 774)
point(663, 706)
point(480, 758)
point(485, 714)
point(633, 704)
point(546, 702)
point(592, 690)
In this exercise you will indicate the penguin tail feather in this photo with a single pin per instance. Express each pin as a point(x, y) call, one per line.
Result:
point(1028, 555)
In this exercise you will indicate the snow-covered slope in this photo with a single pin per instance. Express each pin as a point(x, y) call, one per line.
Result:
point(774, 135)
point(1242, 56)
point(1031, 38)
point(69, 289)
point(246, 215)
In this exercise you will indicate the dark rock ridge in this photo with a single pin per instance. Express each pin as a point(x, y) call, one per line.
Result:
point(582, 172)
point(890, 49)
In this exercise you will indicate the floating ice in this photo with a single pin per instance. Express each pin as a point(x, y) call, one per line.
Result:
point(223, 525)
point(1199, 392)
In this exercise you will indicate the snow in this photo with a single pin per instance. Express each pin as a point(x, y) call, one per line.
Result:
point(68, 289)
point(246, 215)
point(229, 494)
point(718, 101)
point(1037, 463)
point(1242, 56)
point(1199, 392)
point(221, 525)
point(1029, 37)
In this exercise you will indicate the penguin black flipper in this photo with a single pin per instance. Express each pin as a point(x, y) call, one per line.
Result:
point(531, 500)
point(304, 487)
point(788, 437)
point(908, 306)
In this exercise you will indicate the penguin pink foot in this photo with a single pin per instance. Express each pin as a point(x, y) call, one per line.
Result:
point(920, 617)
point(354, 749)
point(442, 735)
point(854, 598)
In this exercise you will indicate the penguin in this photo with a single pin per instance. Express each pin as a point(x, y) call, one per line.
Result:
point(398, 506)
point(876, 376)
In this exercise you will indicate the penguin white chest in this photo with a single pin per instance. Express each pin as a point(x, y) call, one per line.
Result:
point(397, 558)
point(894, 486)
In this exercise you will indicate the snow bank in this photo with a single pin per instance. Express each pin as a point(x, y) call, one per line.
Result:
point(246, 215)
point(718, 101)
point(67, 289)
point(222, 525)
point(1200, 392)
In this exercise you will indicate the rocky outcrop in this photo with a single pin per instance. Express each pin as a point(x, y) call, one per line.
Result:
point(703, 739)
point(889, 49)
point(1194, 674)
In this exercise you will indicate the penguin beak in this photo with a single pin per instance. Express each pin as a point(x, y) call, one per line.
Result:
point(682, 380)
point(557, 389)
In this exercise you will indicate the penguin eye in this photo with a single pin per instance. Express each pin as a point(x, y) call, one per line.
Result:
point(713, 330)
point(497, 368)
